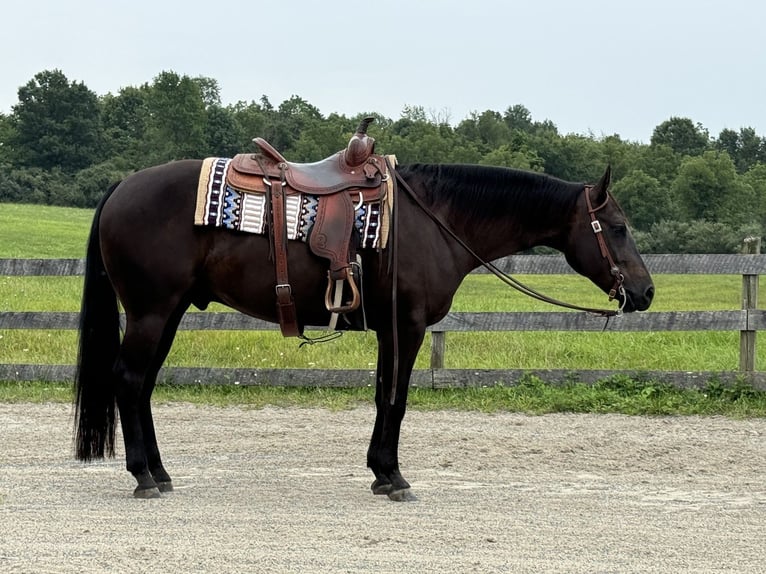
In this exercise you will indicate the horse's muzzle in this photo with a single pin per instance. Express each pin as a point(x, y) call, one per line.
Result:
point(638, 301)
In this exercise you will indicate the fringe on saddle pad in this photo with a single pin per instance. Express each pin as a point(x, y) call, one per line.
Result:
point(220, 205)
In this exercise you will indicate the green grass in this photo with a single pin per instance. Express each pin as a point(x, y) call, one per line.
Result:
point(613, 395)
point(27, 232)
point(711, 350)
point(478, 293)
point(39, 231)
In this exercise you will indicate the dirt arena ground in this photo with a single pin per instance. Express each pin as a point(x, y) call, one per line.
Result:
point(286, 490)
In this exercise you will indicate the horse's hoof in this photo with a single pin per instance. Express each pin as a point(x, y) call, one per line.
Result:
point(402, 495)
point(379, 487)
point(146, 493)
point(166, 486)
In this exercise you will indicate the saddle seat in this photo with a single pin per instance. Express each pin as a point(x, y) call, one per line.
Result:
point(354, 168)
point(340, 183)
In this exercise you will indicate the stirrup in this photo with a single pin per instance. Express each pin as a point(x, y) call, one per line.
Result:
point(355, 298)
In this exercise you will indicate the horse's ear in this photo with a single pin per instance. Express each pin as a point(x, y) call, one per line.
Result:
point(605, 180)
point(600, 189)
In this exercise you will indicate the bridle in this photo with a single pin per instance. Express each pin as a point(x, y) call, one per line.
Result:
point(614, 270)
point(492, 268)
point(595, 224)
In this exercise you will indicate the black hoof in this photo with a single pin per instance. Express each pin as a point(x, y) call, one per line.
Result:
point(166, 486)
point(146, 493)
point(402, 495)
point(380, 487)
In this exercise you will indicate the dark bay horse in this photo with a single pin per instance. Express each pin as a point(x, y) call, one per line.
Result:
point(145, 252)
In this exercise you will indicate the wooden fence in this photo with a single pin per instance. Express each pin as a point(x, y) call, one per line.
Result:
point(747, 320)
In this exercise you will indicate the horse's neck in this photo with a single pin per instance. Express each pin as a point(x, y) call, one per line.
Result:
point(511, 221)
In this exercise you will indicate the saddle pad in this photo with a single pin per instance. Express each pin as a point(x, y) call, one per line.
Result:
point(220, 205)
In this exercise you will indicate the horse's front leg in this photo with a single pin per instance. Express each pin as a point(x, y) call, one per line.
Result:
point(383, 453)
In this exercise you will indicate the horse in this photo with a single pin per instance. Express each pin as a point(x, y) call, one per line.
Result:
point(156, 264)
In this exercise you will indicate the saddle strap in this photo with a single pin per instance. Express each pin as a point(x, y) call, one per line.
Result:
point(288, 319)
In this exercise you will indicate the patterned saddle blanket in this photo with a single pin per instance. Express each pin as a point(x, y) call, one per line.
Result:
point(219, 204)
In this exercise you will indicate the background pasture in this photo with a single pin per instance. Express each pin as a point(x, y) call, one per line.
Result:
point(62, 232)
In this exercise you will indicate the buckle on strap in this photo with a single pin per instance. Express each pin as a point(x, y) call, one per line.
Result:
point(596, 225)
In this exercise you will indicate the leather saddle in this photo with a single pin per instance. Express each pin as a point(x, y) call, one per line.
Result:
point(341, 183)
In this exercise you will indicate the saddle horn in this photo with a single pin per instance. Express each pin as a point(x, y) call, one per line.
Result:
point(363, 125)
point(361, 145)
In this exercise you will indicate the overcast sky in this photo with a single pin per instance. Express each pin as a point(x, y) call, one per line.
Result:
point(589, 66)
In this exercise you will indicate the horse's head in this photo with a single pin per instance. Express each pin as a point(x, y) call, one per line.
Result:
point(601, 248)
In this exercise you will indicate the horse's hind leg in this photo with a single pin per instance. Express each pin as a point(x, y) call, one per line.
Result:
point(135, 371)
point(153, 458)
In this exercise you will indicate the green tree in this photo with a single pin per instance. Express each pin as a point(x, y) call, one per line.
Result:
point(518, 118)
point(415, 139)
point(57, 123)
point(321, 139)
point(487, 130)
point(682, 135)
point(506, 157)
point(492, 130)
point(126, 121)
point(658, 161)
point(694, 237)
point(419, 141)
point(292, 117)
point(6, 135)
point(756, 179)
point(209, 90)
point(252, 119)
point(623, 156)
point(708, 188)
point(223, 133)
point(37, 185)
point(644, 199)
point(745, 147)
point(177, 118)
point(92, 182)
point(572, 157)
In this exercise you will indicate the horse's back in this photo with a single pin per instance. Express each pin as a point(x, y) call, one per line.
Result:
point(154, 195)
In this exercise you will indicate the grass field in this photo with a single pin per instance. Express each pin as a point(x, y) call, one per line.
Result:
point(713, 351)
point(62, 233)
point(28, 231)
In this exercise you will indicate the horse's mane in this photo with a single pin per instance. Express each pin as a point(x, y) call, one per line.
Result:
point(484, 192)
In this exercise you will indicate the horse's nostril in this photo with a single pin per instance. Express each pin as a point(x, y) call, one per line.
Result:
point(649, 293)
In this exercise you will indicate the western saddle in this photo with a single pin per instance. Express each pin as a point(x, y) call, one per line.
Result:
point(341, 183)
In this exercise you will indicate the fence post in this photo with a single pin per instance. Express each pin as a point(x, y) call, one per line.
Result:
point(751, 246)
point(438, 347)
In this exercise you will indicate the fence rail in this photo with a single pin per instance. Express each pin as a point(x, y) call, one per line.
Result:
point(748, 321)
point(717, 264)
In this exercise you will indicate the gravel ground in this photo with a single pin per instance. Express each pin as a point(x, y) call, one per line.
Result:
point(286, 490)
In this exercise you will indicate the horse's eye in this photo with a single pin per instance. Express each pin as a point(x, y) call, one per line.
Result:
point(620, 230)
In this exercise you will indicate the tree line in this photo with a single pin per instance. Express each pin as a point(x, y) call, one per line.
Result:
point(685, 191)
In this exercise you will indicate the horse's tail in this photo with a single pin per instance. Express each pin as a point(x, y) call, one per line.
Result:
point(95, 400)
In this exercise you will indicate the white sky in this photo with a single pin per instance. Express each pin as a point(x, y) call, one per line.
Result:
point(589, 66)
